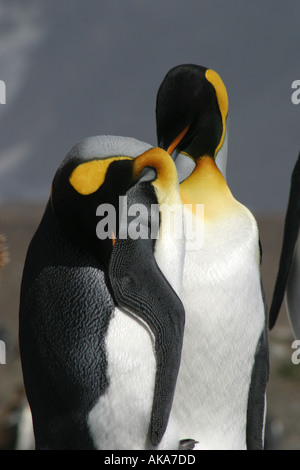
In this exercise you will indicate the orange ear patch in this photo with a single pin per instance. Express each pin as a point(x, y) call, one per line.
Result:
point(87, 177)
point(222, 98)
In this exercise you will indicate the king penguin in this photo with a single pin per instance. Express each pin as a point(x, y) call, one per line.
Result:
point(288, 276)
point(101, 325)
point(220, 394)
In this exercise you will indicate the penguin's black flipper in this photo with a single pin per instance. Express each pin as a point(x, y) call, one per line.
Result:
point(256, 399)
point(255, 429)
point(291, 231)
point(140, 288)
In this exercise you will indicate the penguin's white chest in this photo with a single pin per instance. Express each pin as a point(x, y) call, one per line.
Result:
point(224, 320)
point(121, 418)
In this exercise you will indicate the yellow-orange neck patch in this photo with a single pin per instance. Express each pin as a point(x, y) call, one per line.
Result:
point(206, 185)
point(167, 180)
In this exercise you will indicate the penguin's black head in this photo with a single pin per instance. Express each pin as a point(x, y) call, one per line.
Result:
point(191, 111)
point(77, 191)
point(80, 188)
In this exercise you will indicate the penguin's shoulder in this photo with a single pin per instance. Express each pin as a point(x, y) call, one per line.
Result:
point(247, 224)
point(229, 242)
point(237, 228)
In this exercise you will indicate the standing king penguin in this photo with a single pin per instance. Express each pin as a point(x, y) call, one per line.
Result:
point(101, 326)
point(288, 276)
point(220, 393)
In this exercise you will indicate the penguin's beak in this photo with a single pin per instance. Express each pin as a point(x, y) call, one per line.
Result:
point(177, 140)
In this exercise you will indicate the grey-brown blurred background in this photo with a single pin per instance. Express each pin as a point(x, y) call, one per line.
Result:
point(80, 68)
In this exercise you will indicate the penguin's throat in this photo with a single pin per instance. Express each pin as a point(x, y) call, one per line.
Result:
point(207, 186)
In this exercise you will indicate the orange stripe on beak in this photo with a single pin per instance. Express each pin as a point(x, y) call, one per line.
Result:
point(177, 140)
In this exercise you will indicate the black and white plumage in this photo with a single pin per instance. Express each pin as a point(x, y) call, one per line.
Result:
point(220, 393)
point(100, 326)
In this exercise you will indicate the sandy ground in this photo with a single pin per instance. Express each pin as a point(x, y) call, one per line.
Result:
point(18, 223)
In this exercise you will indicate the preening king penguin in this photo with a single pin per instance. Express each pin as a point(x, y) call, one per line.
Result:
point(288, 276)
point(220, 393)
point(101, 325)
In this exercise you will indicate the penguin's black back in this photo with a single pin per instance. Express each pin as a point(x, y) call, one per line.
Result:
point(65, 310)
